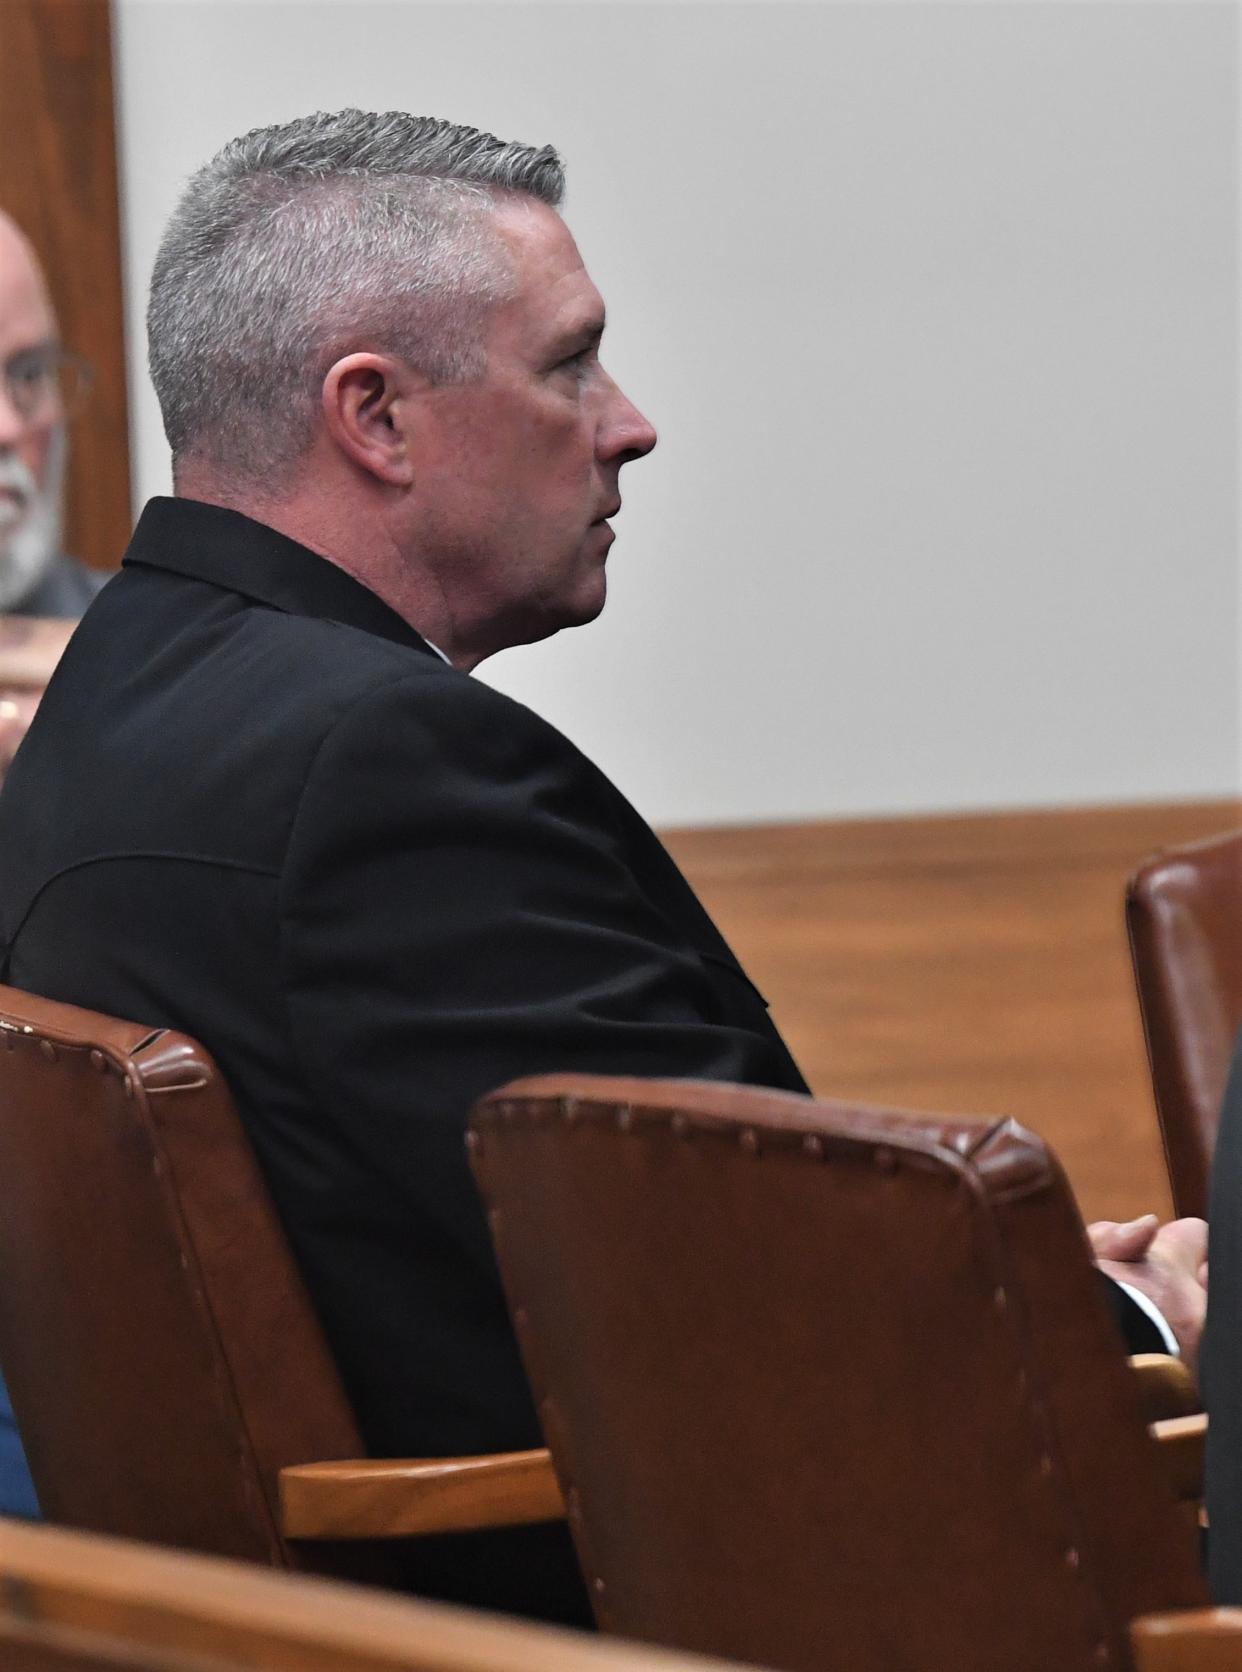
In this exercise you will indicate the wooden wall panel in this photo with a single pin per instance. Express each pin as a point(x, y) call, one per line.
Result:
point(962, 965)
point(58, 179)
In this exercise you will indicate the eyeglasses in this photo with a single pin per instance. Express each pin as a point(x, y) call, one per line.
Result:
point(46, 383)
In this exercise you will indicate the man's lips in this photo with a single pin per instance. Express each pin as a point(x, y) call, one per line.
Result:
point(604, 515)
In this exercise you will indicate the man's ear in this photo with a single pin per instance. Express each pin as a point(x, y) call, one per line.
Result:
point(367, 411)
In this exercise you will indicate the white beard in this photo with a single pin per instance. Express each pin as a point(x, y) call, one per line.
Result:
point(30, 533)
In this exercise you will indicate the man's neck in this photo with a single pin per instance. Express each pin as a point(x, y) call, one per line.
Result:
point(354, 543)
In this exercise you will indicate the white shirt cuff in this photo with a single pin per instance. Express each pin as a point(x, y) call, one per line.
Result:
point(1147, 1305)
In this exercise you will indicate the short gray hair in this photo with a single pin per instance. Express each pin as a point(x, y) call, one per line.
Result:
point(299, 243)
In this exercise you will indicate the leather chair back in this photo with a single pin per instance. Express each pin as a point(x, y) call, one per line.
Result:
point(826, 1385)
point(1184, 916)
point(160, 1349)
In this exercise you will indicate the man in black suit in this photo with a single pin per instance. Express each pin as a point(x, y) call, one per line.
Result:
point(263, 802)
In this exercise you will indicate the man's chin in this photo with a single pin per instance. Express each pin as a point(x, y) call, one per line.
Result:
point(591, 605)
point(585, 605)
point(553, 616)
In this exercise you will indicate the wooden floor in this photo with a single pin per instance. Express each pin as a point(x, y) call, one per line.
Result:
point(962, 965)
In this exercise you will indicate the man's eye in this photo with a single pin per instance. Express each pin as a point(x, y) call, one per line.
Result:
point(27, 373)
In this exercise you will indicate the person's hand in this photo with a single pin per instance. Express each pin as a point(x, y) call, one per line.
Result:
point(1167, 1263)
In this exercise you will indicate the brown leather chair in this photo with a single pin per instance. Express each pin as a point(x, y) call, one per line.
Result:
point(827, 1385)
point(1184, 916)
point(168, 1374)
point(74, 1602)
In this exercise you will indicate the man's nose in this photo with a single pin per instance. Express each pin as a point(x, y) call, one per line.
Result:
point(626, 434)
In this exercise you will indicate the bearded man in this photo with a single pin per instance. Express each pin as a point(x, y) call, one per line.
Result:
point(36, 577)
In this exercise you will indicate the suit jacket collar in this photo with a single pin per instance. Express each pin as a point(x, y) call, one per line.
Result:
point(226, 549)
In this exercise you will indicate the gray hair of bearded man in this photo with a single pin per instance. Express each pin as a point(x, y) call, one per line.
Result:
point(298, 244)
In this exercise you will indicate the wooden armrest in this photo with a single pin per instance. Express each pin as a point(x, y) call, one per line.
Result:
point(1180, 1441)
point(393, 1498)
point(1166, 1387)
point(1189, 1640)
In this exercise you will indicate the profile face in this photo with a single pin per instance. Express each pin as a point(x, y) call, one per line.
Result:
point(517, 473)
point(30, 415)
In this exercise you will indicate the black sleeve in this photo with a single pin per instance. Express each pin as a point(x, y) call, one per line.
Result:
point(1137, 1330)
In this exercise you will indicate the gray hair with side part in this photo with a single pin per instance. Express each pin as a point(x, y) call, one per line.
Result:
point(301, 243)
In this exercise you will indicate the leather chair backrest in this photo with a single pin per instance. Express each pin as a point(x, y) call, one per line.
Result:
point(161, 1352)
point(1184, 916)
point(826, 1385)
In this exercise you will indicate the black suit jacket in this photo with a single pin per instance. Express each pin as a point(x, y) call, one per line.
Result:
point(256, 806)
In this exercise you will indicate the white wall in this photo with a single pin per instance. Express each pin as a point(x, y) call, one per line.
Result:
point(936, 306)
